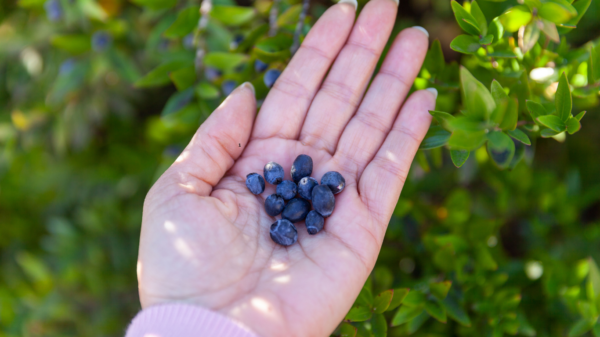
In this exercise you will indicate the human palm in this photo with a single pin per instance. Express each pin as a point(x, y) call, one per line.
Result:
point(205, 237)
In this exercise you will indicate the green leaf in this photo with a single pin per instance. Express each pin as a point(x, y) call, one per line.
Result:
point(405, 314)
point(74, 43)
point(359, 313)
point(414, 324)
point(511, 115)
point(581, 6)
point(536, 109)
point(498, 92)
point(178, 101)
point(92, 10)
point(549, 28)
point(186, 21)
point(414, 299)
point(596, 329)
point(223, 61)
point(553, 122)
point(434, 61)
point(530, 37)
point(476, 97)
point(557, 11)
point(488, 39)
point(436, 311)
point(503, 54)
point(515, 17)
point(398, 298)
point(205, 90)
point(573, 125)
point(547, 133)
point(440, 289)
point(232, 15)
point(443, 118)
point(483, 257)
point(479, 18)
point(594, 280)
point(156, 4)
point(563, 100)
point(459, 157)
point(582, 326)
point(183, 78)
point(465, 44)
point(290, 16)
point(347, 330)
point(520, 136)
point(466, 140)
point(382, 301)
point(160, 75)
point(436, 136)
point(124, 65)
point(580, 116)
point(254, 35)
point(454, 310)
point(502, 149)
point(587, 309)
point(273, 49)
point(465, 20)
point(378, 326)
point(594, 64)
point(365, 297)
point(496, 29)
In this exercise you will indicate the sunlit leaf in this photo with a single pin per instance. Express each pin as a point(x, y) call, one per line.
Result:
point(557, 11)
point(232, 15)
point(359, 313)
point(515, 17)
point(553, 122)
point(520, 136)
point(476, 97)
point(563, 100)
point(398, 298)
point(465, 44)
point(186, 21)
point(382, 301)
point(465, 20)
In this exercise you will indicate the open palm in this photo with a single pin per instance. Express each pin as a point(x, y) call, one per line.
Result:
point(205, 237)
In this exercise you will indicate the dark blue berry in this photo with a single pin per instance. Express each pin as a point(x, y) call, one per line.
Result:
point(270, 77)
point(287, 189)
point(255, 183)
point(235, 42)
point(284, 232)
point(260, 66)
point(305, 187)
point(302, 167)
point(228, 87)
point(100, 40)
point(53, 10)
point(323, 200)
point(273, 173)
point(211, 73)
point(314, 222)
point(274, 205)
point(334, 180)
point(296, 210)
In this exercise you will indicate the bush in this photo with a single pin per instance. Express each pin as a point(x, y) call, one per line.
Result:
point(503, 245)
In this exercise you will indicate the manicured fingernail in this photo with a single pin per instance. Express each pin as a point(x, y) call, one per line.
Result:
point(433, 91)
point(249, 86)
point(351, 2)
point(422, 29)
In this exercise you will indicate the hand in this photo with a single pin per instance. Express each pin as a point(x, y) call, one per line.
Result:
point(205, 237)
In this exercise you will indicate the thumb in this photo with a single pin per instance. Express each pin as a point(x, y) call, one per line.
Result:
point(217, 144)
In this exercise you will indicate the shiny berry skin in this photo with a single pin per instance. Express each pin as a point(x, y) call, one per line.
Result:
point(302, 167)
point(284, 232)
point(270, 77)
point(274, 204)
point(305, 187)
point(100, 40)
point(255, 183)
point(296, 210)
point(287, 189)
point(323, 200)
point(334, 180)
point(260, 66)
point(273, 173)
point(228, 87)
point(211, 73)
point(53, 9)
point(314, 222)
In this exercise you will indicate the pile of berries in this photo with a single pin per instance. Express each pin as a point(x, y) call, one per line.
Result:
point(297, 209)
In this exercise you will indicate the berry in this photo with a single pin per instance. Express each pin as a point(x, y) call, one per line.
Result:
point(228, 87)
point(274, 205)
point(305, 187)
point(53, 9)
point(273, 173)
point(302, 167)
point(284, 232)
point(314, 222)
point(334, 180)
point(270, 77)
point(323, 200)
point(66, 67)
point(255, 183)
point(235, 42)
point(188, 41)
point(287, 189)
point(296, 210)
point(260, 66)
point(211, 73)
point(100, 40)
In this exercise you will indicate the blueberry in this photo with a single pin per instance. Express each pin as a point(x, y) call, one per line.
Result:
point(100, 40)
point(188, 41)
point(260, 66)
point(323, 200)
point(255, 183)
point(302, 167)
point(66, 67)
point(228, 87)
point(235, 42)
point(273, 173)
point(270, 77)
point(211, 73)
point(284, 232)
point(287, 189)
point(305, 187)
point(334, 180)
point(296, 210)
point(274, 205)
point(314, 222)
point(53, 10)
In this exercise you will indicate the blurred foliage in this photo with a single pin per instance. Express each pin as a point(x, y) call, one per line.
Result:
point(98, 97)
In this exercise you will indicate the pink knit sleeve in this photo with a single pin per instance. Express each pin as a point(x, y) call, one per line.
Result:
point(183, 320)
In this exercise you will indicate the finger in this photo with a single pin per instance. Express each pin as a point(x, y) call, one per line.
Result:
point(367, 130)
point(383, 179)
point(284, 109)
point(217, 144)
point(343, 88)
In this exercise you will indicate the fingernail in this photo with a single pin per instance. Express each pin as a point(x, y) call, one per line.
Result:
point(397, 2)
point(351, 2)
point(249, 86)
point(422, 29)
point(433, 91)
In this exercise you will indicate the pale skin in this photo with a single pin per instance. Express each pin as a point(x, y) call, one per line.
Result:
point(205, 237)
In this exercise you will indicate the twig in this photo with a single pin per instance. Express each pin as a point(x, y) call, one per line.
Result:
point(273, 18)
point(299, 26)
point(205, 8)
